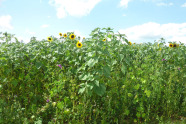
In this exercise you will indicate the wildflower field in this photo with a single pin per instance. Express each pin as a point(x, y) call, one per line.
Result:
point(97, 80)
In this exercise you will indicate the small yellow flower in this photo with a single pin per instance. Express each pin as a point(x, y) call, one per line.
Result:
point(79, 44)
point(177, 45)
point(130, 43)
point(134, 43)
point(83, 37)
point(60, 34)
point(158, 45)
point(65, 35)
point(49, 39)
point(72, 36)
point(170, 45)
point(160, 49)
point(104, 39)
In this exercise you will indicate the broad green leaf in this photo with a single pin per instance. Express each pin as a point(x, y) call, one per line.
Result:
point(38, 65)
point(114, 62)
point(97, 83)
point(121, 57)
point(123, 69)
point(100, 90)
point(92, 62)
point(137, 86)
point(127, 61)
point(127, 112)
point(106, 71)
point(148, 92)
point(15, 82)
point(86, 77)
point(60, 105)
point(138, 114)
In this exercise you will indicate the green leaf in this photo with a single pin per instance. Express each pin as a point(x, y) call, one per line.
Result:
point(60, 105)
point(137, 86)
point(15, 82)
point(127, 61)
point(121, 57)
point(38, 65)
point(86, 77)
point(123, 69)
point(148, 92)
point(127, 112)
point(106, 71)
point(138, 115)
point(92, 62)
point(97, 83)
point(100, 90)
point(114, 62)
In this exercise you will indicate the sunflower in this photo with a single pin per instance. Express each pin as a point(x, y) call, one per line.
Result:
point(177, 45)
point(160, 49)
point(130, 43)
point(49, 39)
point(104, 39)
point(65, 35)
point(79, 44)
point(134, 43)
point(174, 45)
point(72, 36)
point(170, 45)
point(60, 34)
point(83, 37)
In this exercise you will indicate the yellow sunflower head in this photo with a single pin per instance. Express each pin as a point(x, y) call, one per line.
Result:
point(65, 35)
point(104, 39)
point(60, 34)
point(79, 44)
point(72, 36)
point(170, 45)
point(174, 45)
point(49, 39)
point(130, 43)
point(134, 43)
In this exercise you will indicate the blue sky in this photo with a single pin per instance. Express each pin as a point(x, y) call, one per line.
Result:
point(140, 20)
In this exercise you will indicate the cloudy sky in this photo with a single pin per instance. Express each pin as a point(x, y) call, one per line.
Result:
point(140, 20)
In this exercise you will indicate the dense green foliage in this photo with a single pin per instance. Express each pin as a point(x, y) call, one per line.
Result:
point(101, 82)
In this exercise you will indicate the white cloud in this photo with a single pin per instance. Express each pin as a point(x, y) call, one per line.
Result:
point(75, 8)
point(44, 26)
point(153, 31)
point(124, 3)
point(184, 5)
point(164, 4)
point(124, 15)
point(5, 22)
